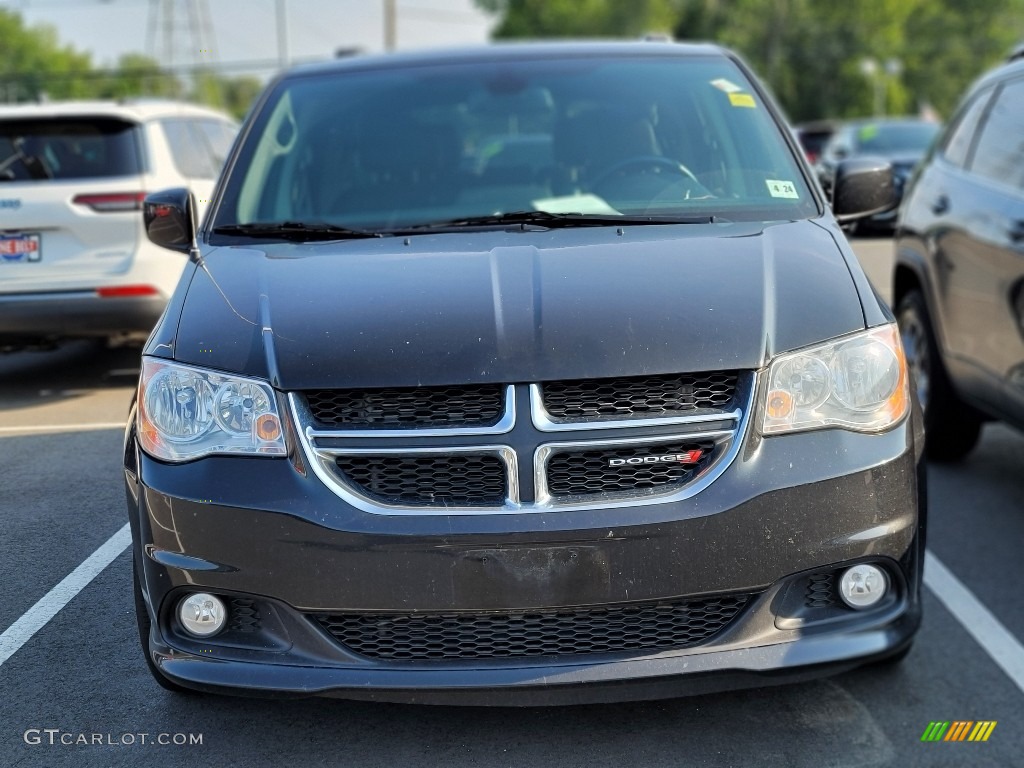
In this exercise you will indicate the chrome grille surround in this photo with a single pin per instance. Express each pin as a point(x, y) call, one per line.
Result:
point(726, 429)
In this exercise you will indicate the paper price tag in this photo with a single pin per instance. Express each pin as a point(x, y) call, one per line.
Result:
point(780, 188)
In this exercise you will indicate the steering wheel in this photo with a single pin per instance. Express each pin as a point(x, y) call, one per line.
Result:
point(641, 163)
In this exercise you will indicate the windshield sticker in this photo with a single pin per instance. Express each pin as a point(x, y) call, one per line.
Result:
point(780, 188)
point(725, 85)
point(742, 100)
point(867, 132)
point(580, 203)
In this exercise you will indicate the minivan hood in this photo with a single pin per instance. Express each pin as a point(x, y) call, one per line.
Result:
point(514, 306)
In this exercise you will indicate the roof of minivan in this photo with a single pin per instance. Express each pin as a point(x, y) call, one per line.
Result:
point(518, 50)
point(140, 110)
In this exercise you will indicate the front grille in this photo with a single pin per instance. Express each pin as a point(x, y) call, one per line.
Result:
point(549, 632)
point(409, 407)
point(582, 472)
point(639, 397)
point(429, 480)
point(821, 591)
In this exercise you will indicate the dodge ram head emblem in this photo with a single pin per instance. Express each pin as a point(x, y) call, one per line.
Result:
point(686, 457)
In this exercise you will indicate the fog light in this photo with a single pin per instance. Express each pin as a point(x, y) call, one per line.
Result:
point(202, 615)
point(863, 585)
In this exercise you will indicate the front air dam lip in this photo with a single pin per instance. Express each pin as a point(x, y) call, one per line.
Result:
point(634, 680)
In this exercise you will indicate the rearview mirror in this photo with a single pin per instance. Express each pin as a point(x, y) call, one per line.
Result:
point(863, 187)
point(170, 219)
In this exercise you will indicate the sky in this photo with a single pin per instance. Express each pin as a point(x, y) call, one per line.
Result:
point(246, 30)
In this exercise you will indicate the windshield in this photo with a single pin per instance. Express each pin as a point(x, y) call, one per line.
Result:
point(896, 137)
point(391, 148)
point(67, 148)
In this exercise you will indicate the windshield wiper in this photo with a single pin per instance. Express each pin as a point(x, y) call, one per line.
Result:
point(550, 220)
point(300, 231)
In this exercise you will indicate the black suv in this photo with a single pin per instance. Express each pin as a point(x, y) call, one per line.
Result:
point(524, 374)
point(959, 280)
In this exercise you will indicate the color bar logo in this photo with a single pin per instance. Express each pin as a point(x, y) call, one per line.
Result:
point(959, 730)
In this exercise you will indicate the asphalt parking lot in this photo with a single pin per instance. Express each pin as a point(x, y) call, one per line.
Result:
point(80, 677)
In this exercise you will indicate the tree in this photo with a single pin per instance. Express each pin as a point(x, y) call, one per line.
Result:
point(138, 75)
point(239, 93)
point(821, 59)
point(232, 94)
point(581, 18)
point(950, 43)
point(34, 64)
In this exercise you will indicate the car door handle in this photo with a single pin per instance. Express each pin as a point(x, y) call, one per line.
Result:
point(1016, 231)
point(940, 205)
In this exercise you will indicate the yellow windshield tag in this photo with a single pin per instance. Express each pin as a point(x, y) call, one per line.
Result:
point(742, 100)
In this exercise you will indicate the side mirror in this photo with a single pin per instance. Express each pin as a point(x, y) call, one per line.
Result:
point(863, 186)
point(170, 218)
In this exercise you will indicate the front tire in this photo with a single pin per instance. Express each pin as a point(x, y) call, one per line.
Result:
point(952, 428)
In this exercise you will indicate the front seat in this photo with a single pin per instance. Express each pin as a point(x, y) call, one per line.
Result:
point(589, 143)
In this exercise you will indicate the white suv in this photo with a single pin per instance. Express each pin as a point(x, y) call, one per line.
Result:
point(74, 259)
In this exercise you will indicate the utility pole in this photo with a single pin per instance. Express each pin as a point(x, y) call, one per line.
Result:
point(282, 33)
point(390, 25)
point(181, 31)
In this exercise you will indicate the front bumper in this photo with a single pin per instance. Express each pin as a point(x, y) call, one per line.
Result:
point(269, 530)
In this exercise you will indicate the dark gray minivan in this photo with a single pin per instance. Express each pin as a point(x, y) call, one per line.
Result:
point(520, 375)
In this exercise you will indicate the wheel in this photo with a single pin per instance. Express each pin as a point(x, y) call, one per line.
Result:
point(952, 428)
point(143, 622)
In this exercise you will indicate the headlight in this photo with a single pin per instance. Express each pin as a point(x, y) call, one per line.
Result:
point(858, 382)
point(185, 413)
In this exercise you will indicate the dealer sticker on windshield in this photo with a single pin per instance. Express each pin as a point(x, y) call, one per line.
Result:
point(726, 85)
point(742, 100)
point(779, 188)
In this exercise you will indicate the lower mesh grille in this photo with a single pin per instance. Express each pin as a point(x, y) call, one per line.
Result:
point(580, 472)
point(244, 616)
point(821, 591)
point(555, 632)
point(462, 480)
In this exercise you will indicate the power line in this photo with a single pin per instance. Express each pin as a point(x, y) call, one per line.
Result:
point(253, 65)
point(418, 12)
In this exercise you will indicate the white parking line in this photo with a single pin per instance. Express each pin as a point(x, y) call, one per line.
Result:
point(1005, 649)
point(50, 604)
point(44, 428)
